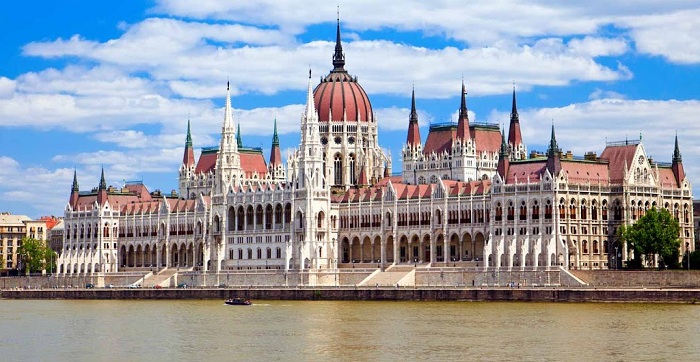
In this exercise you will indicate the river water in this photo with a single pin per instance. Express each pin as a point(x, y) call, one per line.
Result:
point(74, 330)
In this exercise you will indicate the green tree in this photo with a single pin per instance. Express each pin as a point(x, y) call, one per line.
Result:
point(35, 255)
point(655, 233)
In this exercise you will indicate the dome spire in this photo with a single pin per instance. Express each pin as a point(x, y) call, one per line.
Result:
point(338, 56)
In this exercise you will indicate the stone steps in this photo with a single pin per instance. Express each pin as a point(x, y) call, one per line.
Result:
point(162, 278)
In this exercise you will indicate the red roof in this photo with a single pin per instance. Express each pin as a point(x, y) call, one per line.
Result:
point(618, 156)
point(667, 178)
point(579, 172)
point(440, 139)
point(487, 139)
point(521, 171)
point(206, 163)
point(253, 162)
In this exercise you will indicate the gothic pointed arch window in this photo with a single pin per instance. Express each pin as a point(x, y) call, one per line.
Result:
point(351, 164)
point(338, 169)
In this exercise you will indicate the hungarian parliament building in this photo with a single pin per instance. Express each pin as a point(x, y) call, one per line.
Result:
point(470, 195)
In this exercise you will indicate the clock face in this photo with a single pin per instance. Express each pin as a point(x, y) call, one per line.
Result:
point(641, 160)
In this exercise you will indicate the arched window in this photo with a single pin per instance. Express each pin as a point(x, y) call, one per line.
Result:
point(352, 169)
point(287, 213)
point(231, 219)
point(338, 169)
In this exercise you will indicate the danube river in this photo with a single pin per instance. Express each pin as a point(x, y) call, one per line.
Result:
point(69, 330)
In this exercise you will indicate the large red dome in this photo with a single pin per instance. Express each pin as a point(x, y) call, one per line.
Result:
point(339, 95)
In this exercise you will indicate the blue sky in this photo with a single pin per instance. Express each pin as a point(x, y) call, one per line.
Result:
point(91, 84)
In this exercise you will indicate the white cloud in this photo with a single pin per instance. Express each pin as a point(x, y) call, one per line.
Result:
point(603, 94)
point(395, 118)
point(663, 28)
point(7, 87)
point(673, 36)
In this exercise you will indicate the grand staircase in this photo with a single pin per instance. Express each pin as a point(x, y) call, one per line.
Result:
point(402, 275)
point(162, 278)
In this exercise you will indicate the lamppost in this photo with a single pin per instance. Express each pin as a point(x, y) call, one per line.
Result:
point(687, 250)
point(335, 272)
point(615, 257)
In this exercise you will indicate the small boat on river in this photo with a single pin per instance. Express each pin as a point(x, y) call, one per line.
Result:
point(237, 301)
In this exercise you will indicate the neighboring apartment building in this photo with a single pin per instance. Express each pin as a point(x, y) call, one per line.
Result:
point(14, 227)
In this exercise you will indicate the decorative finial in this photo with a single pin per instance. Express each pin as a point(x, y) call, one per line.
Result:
point(309, 71)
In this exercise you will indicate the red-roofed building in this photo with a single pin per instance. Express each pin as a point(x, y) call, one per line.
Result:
point(469, 196)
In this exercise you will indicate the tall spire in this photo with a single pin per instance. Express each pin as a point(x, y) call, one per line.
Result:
point(504, 146)
point(75, 181)
point(413, 137)
point(239, 140)
point(275, 138)
point(338, 56)
point(553, 146)
point(503, 158)
point(103, 183)
point(188, 139)
point(463, 112)
point(514, 109)
point(74, 191)
point(188, 156)
point(677, 152)
point(228, 113)
point(102, 190)
point(553, 155)
point(515, 138)
point(463, 121)
point(677, 164)
point(310, 106)
point(275, 154)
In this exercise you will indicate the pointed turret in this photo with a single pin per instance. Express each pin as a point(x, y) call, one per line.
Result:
point(463, 121)
point(310, 110)
point(188, 157)
point(228, 113)
point(413, 138)
point(338, 56)
point(503, 158)
point(103, 183)
point(275, 154)
point(515, 138)
point(75, 188)
point(228, 168)
point(362, 180)
point(102, 189)
point(74, 191)
point(310, 149)
point(677, 164)
point(553, 155)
